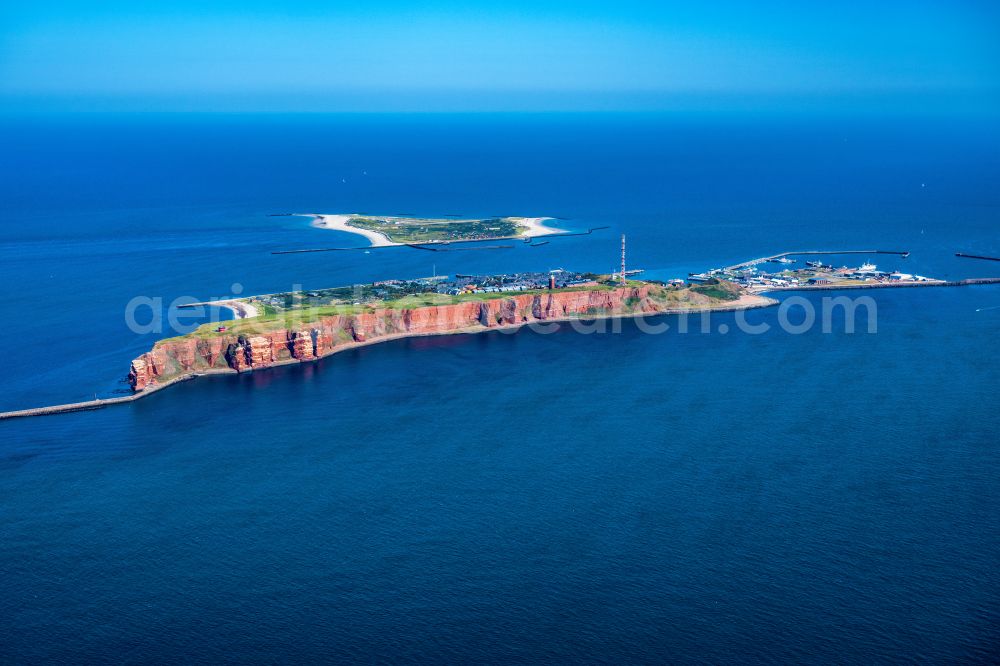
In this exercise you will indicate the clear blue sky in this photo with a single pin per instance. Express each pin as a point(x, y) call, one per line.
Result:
point(498, 55)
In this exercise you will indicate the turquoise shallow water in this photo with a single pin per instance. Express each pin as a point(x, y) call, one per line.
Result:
point(714, 497)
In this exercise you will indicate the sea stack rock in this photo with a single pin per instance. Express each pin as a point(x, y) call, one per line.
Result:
point(259, 351)
point(302, 345)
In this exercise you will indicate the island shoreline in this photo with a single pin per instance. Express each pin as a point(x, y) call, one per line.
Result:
point(757, 303)
point(752, 299)
point(338, 222)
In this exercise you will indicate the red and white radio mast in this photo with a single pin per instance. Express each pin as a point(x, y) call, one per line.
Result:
point(623, 258)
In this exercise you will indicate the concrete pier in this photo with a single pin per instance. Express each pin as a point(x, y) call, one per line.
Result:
point(754, 262)
point(70, 407)
point(882, 285)
point(976, 256)
point(90, 405)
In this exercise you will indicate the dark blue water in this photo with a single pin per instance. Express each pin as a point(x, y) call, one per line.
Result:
point(606, 497)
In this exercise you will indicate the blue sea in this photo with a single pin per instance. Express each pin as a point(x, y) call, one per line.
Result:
point(614, 497)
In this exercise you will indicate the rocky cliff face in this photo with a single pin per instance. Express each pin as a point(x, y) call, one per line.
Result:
point(184, 356)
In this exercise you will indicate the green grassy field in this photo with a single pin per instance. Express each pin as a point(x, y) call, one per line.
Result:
point(718, 289)
point(419, 230)
point(298, 312)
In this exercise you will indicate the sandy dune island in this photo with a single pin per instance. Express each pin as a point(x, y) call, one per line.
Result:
point(533, 226)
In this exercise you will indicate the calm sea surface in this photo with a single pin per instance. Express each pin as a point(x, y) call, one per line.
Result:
point(607, 497)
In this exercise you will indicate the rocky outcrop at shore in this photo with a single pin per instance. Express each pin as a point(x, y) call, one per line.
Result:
point(222, 352)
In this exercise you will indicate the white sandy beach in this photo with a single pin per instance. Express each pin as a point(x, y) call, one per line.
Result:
point(535, 227)
point(339, 223)
point(241, 309)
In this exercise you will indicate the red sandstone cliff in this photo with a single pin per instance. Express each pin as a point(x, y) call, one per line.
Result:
point(174, 358)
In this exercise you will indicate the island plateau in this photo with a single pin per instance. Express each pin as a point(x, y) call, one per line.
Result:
point(303, 326)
